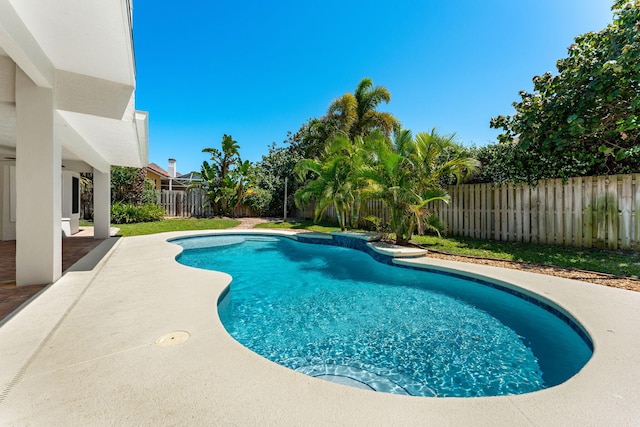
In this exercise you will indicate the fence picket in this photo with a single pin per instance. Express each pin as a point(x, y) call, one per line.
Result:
point(518, 213)
point(588, 207)
point(558, 224)
point(549, 214)
point(504, 217)
point(612, 216)
point(535, 207)
point(601, 211)
point(526, 213)
point(576, 213)
point(567, 191)
point(625, 212)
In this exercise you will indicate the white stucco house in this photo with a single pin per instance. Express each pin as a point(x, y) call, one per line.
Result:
point(67, 84)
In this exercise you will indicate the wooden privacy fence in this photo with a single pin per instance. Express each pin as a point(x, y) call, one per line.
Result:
point(192, 203)
point(602, 212)
point(372, 208)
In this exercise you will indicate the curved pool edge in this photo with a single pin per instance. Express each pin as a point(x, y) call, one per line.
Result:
point(226, 382)
point(582, 302)
point(577, 300)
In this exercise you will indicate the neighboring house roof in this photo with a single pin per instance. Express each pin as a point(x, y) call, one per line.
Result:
point(191, 176)
point(158, 170)
point(180, 182)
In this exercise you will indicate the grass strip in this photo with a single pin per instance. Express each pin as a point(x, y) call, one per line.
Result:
point(611, 262)
point(143, 228)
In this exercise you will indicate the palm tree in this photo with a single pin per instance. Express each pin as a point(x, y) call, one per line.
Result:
point(335, 181)
point(356, 113)
point(226, 178)
point(405, 174)
point(242, 181)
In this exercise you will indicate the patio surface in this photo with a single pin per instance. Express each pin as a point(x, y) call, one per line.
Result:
point(12, 296)
point(92, 349)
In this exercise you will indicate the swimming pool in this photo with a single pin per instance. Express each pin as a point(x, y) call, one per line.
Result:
point(337, 314)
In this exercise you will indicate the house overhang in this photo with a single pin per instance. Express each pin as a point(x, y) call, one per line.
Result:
point(83, 51)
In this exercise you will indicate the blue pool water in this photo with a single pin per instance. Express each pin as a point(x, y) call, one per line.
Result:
point(336, 314)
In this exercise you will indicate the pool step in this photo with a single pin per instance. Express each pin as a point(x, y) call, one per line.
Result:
point(396, 251)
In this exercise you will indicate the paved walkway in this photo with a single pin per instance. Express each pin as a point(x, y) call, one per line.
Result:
point(248, 223)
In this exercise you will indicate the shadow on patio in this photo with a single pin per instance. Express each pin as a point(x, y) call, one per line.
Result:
point(12, 296)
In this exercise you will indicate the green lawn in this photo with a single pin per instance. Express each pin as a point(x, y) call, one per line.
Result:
point(612, 262)
point(142, 228)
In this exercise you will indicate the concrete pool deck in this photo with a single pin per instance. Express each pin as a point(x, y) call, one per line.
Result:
point(84, 352)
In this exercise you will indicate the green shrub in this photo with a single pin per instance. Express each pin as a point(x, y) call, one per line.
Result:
point(126, 213)
point(258, 199)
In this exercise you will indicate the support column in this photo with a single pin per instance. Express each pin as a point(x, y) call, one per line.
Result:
point(38, 177)
point(101, 204)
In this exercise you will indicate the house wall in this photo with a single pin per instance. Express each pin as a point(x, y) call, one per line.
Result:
point(70, 220)
point(157, 180)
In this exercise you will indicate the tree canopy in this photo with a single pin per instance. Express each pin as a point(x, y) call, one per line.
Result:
point(356, 113)
point(585, 119)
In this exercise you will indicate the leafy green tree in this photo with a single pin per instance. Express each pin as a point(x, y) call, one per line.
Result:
point(270, 174)
point(585, 119)
point(356, 113)
point(311, 139)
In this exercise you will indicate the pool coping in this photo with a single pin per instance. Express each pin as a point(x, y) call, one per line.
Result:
point(84, 351)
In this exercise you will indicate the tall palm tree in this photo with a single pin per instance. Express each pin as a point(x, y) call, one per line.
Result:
point(335, 181)
point(357, 112)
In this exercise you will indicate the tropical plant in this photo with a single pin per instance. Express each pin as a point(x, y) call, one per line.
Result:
point(585, 120)
point(406, 175)
point(335, 181)
point(226, 179)
point(356, 113)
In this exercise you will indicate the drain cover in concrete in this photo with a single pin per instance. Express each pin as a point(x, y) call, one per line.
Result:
point(172, 338)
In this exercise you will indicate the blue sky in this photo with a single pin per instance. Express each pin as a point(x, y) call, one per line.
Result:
point(257, 69)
